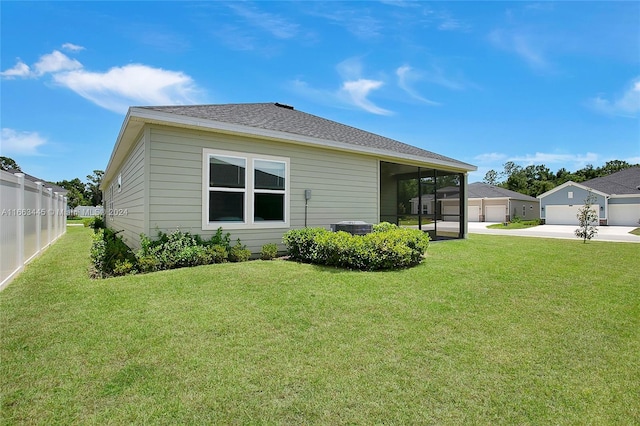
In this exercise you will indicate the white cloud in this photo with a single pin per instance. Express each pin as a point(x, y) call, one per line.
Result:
point(490, 157)
point(13, 142)
point(555, 158)
point(357, 91)
point(20, 69)
point(524, 45)
point(54, 62)
point(273, 24)
point(626, 105)
point(406, 76)
point(115, 89)
point(134, 84)
point(72, 47)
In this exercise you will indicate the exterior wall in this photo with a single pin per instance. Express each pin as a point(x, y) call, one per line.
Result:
point(124, 201)
point(561, 198)
point(532, 209)
point(344, 186)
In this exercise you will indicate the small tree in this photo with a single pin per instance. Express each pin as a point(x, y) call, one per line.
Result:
point(587, 217)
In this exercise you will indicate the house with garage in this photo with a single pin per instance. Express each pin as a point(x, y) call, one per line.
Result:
point(486, 203)
point(616, 199)
point(258, 170)
point(490, 203)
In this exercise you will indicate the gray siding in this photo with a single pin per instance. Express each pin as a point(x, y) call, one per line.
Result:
point(561, 198)
point(532, 209)
point(127, 211)
point(625, 200)
point(344, 185)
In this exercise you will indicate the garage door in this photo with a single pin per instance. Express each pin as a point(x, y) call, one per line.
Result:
point(563, 215)
point(450, 213)
point(495, 214)
point(473, 213)
point(624, 214)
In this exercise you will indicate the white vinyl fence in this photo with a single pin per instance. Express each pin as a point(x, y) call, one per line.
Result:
point(31, 218)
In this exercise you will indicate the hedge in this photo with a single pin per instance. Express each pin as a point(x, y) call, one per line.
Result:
point(388, 247)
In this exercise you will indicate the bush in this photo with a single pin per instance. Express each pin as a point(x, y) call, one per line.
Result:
point(177, 250)
point(269, 251)
point(239, 253)
point(301, 242)
point(95, 222)
point(388, 247)
point(107, 250)
point(384, 227)
point(110, 256)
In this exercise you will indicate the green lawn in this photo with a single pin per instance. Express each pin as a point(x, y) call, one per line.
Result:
point(489, 330)
point(515, 225)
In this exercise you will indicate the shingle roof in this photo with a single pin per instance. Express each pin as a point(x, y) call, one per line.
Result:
point(484, 190)
point(625, 181)
point(54, 187)
point(283, 118)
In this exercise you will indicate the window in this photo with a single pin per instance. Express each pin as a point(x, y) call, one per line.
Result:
point(524, 211)
point(570, 194)
point(244, 190)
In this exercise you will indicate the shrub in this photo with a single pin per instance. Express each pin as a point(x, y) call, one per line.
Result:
point(95, 222)
point(110, 256)
point(218, 252)
point(123, 267)
point(301, 242)
point(239, 253)
point(107, 249)
point(176, 250)
point(384, 226)
point(388, 247)
point(269, 251)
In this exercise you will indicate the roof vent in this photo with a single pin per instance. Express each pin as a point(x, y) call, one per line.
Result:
point(283, 105)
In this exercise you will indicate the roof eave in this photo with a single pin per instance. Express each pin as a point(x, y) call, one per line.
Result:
point(157, 117)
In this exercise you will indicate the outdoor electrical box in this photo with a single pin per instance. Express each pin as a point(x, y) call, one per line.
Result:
point(307, 194)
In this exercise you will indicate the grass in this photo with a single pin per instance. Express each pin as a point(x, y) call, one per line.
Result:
point(635, 231)
point(489, 330)
point(515, 225)
point(75, 220)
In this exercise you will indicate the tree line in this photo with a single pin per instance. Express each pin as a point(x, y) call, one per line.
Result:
point(534, 180)
point(79, 193)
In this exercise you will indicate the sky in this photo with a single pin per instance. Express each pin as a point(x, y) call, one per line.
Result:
point(553, 83)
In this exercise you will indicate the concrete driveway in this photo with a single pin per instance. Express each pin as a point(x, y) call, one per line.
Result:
point(605, 233)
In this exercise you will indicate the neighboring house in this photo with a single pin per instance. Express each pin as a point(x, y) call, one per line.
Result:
point(617, 199)
point(259, 170)
point(486, 203)
point(87, 211)
point(46, 185)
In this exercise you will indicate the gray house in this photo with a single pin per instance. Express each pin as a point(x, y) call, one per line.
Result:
point(489, 203)
point(617, 199)
point(486, 203)
point(258, 170)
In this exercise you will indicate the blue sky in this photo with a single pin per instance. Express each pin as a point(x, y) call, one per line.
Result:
point(482, 82)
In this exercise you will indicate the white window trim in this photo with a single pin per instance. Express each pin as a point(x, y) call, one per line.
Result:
point(249, 190)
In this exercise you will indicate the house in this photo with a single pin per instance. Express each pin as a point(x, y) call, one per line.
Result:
point(258, 170)
point(45, 185)
point(617, 199)
point(486, 203)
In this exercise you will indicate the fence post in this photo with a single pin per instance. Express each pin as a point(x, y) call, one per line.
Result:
point(39, 217)
point(49, 207)
point(20, 225)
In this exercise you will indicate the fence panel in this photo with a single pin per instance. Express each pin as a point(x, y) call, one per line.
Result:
point(31, 218)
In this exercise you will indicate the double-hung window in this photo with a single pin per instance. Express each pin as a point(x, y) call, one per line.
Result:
point(244, 190)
